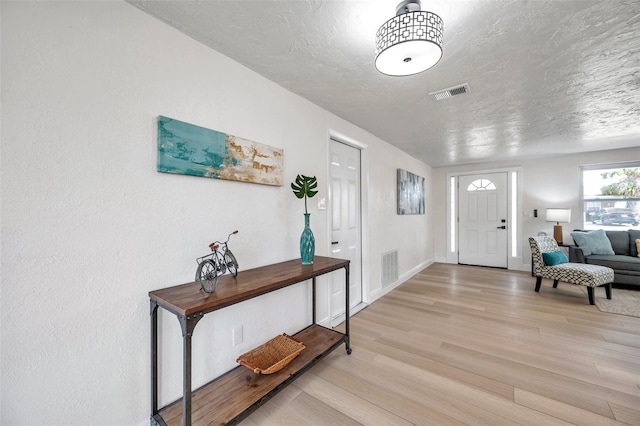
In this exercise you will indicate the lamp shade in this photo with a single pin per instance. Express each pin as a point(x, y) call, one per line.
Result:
point(559, 215)
point(410, 42)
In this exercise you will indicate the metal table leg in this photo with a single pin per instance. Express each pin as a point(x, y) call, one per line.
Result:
point(346, 328)
point(154, 358)
point(187, 324)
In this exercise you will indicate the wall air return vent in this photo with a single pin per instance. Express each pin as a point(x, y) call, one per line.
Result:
point(389, 270)
point(452, 91)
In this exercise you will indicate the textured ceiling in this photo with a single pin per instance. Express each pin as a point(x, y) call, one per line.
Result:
point(546, 77)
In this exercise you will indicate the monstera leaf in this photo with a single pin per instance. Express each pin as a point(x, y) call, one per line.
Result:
point(303, 187)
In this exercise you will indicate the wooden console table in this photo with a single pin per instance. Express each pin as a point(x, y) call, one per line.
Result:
point(234, 395)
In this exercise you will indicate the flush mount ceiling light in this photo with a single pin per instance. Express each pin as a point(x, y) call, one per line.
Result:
point(410, 42)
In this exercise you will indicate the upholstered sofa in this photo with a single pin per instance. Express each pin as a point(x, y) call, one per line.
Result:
point(617, 250)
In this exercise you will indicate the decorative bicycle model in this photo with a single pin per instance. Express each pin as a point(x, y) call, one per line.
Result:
point(215, 264)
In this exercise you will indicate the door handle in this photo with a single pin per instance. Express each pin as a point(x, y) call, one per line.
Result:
point(334, 243)
point(502, 227)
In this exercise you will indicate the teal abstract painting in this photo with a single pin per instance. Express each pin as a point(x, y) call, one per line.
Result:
point(410, 193)
point(188, 149)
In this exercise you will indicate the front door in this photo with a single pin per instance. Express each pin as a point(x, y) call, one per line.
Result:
point(344, 176)
point(482, 223)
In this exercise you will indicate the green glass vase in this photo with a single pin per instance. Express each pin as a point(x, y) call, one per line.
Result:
point(307, 242)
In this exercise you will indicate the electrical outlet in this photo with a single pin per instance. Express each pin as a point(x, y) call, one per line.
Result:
point(237, 335)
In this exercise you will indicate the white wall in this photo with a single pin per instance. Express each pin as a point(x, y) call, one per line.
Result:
point(547, 182)
point(89, 227)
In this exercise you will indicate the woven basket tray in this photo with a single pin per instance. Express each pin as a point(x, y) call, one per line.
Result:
point(272, 356)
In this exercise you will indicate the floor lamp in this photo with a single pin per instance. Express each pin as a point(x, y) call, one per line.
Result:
point(557, 216)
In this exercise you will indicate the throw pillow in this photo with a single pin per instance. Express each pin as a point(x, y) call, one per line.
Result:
point(634, 234)
point(619, 242)
point(593, 242)
point(638, 246)
point(553, 258)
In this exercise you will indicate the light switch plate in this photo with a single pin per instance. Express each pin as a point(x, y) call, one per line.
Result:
point(237, 336)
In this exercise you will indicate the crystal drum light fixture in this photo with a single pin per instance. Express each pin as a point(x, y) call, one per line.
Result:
point(557, 216)
point(410, 42)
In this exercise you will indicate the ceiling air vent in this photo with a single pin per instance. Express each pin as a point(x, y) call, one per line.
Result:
point(452, 91)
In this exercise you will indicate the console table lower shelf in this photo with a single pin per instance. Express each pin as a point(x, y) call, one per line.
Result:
point(234, 395)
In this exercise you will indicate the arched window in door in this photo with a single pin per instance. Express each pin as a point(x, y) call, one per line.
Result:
point(481, 185)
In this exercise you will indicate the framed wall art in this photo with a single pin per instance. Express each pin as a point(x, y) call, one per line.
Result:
point(410, 193)
point(188, 149)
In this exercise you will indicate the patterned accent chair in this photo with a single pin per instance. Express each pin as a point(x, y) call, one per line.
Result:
point(584, 274)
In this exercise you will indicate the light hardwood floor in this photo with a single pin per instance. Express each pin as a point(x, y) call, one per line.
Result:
point(470, 345)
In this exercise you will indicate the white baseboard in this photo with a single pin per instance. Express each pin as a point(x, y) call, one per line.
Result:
point(340, 318)
point(401, 280)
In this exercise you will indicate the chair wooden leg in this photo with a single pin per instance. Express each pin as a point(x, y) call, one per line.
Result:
point(555, 283)
point(538, 283)
point(590, 292)
point(607, 288)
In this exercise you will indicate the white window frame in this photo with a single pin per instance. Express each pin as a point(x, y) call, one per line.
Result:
point(602, 167)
